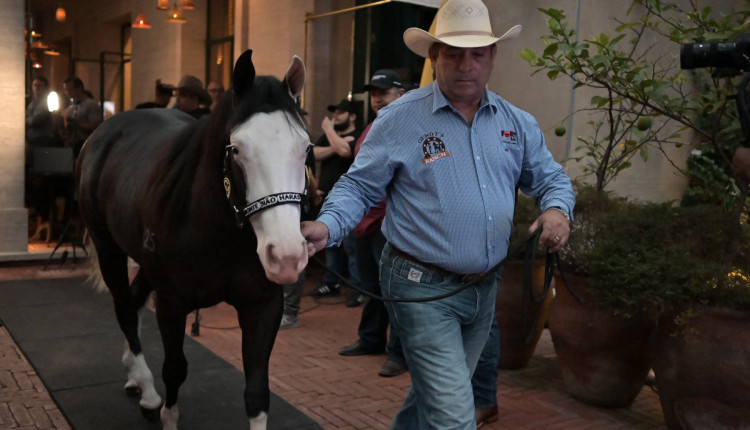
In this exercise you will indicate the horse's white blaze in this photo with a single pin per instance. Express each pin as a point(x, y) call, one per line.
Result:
point(260, 422)
point(272, 149)
point(169, 417)
point(139, 375)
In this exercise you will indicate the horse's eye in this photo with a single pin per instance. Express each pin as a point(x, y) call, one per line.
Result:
point(235, 151)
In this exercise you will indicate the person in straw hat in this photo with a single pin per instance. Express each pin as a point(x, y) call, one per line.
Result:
point(192, 98)
point(448, 157)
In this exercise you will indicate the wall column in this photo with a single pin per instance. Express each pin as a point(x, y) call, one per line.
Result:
point(13, 215)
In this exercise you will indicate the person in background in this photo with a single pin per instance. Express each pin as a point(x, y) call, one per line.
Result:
point(215, 90)
point(384, 87)
point(162, 96)
point(40, 129)
point(448, 157)
point(335, 151)
point(81, 117)
point(192, 98)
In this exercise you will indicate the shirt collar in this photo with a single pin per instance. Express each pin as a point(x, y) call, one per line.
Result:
point(439, 101)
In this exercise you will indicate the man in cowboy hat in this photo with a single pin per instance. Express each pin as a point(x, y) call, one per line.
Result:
point(192, 98)
point(448, 157)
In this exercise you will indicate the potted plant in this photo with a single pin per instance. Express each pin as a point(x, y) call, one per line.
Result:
point(644, 102)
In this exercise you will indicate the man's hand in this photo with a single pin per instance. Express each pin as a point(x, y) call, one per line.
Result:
point(555, 229)
point(316, 234)
point(741, 163)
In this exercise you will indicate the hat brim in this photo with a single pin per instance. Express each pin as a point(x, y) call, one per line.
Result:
point(203, 95)
point(419, 41)
point(382, 86)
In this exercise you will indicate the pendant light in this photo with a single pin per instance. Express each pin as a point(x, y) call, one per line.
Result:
point(187, 4)
point(175, 15)
point(141, 22)
point(162, 4)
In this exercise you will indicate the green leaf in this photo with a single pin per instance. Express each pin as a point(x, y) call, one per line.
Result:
point(529, 55)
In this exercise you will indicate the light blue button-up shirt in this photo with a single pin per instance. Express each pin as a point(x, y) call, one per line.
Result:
point(450, 186)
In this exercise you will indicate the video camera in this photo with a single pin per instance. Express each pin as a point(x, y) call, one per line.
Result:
point(729, 59)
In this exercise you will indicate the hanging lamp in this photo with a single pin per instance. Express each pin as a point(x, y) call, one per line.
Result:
point(162, 4)
point(187, 4)
point(141, 22)
point(175, 16)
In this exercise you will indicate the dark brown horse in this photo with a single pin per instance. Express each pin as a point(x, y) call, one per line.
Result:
point(173, 194)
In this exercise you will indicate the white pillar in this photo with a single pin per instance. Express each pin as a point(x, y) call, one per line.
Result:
point(13, 216)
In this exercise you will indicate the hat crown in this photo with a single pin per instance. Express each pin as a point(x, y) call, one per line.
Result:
point(463, 17)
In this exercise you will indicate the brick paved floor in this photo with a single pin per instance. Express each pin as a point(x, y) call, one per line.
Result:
point(338, 392)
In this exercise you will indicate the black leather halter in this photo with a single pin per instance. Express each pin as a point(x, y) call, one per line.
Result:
point(262, 203)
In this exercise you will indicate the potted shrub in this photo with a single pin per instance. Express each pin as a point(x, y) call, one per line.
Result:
point(643, 102)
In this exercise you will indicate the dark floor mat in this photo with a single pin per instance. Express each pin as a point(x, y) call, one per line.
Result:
point(69, 334)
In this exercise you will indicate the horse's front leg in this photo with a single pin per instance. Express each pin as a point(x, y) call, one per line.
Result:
point(172, 320)
point(259, 326)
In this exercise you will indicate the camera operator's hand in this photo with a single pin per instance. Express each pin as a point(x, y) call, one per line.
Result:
point(741, 163)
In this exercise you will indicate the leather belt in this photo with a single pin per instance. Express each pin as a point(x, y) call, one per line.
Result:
point(437, 269)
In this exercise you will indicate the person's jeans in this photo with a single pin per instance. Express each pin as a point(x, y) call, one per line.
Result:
point(293, 295)
point(442, 341)
point(338, 257)
point(373, 326)
point(484, 381)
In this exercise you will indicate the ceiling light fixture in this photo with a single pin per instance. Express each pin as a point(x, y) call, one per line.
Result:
point(175, 16)
point(141, 22)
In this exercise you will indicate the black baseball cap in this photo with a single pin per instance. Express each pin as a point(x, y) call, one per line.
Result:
point(384, 79)
point(344, 105)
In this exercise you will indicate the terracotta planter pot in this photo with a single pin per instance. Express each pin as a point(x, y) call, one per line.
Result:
point(515, 352)
point(604, 358)
point(703, 370)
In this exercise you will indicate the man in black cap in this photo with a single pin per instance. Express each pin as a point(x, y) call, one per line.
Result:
point(335, 151)
point(384, 87)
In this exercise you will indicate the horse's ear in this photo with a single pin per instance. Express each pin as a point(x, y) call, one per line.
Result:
point(295, 77)
point(244, 74)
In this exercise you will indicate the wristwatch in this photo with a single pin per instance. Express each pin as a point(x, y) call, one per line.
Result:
point(562, 211)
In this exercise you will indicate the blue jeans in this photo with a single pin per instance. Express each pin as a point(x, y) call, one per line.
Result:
point(484, 381)
point(338, 257)
point(373, 326)
point(442, 342)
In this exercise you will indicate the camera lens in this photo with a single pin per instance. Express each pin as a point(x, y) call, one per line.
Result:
point(714, 54)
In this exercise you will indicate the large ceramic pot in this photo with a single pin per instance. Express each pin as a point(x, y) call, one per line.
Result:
point(519, 336)
point(703, 370)
point(604, 357)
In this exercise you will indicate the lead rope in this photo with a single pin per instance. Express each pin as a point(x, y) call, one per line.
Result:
point(529, 244)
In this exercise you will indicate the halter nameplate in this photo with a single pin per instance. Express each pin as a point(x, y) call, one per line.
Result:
point(271, 201)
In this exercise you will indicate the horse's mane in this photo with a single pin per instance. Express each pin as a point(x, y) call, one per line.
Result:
point(206, 143)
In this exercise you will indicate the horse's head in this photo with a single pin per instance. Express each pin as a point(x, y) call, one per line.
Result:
point(268, 144)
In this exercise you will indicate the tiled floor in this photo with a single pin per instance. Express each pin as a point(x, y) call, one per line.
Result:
point(337, 392)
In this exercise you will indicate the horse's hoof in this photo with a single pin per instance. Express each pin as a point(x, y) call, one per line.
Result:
point(133, 392)
point(151, 415)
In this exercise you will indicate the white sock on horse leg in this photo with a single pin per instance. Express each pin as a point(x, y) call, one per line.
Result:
point(139, 375)
point(169, 417)
point(260, 422)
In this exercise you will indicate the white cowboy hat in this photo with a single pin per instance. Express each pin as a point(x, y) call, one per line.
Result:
point(460, 23)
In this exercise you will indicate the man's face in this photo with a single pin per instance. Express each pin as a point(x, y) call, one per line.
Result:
point(71, 91)
point(341, 120)
point(38, 87)
point(463, 73)
point(186, 101)
point(215, 90)
point(380, 98)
